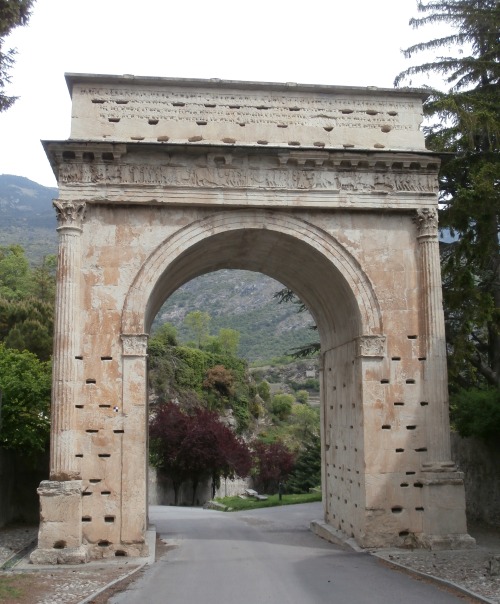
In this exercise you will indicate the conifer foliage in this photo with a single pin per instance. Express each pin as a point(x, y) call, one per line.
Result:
point(13, 13)
point(306, 473)
point(464, 120)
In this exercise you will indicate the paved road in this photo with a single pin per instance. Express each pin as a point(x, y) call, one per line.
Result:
point(263, 556)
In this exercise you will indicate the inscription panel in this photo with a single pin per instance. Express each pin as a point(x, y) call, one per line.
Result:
point(359, 118)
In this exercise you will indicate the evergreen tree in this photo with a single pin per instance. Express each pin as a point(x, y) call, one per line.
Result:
point(12, 14)
point(306, 474)
point(26, 302)
point(305, 351)
point(465, 120)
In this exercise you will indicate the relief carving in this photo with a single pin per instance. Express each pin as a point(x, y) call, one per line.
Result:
point(69, 213)
point(371, 346)
point(266, 175)
point(134, 345)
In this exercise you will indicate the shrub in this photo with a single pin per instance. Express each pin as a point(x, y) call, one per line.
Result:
point(264, 391)
point(281, 405)
point(302, 396)
point(476, 413)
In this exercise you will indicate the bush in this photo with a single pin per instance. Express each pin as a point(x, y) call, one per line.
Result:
point(25, 383)
point(264, 391)
point(476, 413)
point(302, 396)
point(281, 405)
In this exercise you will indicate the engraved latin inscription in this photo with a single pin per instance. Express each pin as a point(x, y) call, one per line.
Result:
point(115, 104)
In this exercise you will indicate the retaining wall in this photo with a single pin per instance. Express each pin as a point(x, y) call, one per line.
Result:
point(480, 463)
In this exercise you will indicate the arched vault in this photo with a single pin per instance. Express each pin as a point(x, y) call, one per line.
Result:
point(322, 273)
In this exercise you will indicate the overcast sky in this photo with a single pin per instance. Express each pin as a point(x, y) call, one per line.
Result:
point(356, 42)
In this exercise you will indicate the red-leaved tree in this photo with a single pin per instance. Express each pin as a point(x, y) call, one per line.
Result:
point(194, 446)
point(167, 431)
point(273, 462)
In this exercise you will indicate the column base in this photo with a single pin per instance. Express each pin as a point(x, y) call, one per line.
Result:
point(444, 521)
point(70, 555)
point(446, 542)
point(60, 532)
point(129, 550)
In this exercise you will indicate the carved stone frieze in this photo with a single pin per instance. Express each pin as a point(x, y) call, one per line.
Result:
point(261, 175)
point(69, 213)
point(426, 220)
point(372, 346)
point(134, 345)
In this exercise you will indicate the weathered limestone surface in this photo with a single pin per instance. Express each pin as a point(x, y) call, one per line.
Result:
point(331, 191)
point(243, 113)
point(60, 533)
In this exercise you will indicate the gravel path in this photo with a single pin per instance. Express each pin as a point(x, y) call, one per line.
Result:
point(469, 569)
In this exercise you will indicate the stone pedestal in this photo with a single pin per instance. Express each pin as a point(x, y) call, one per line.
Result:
point(60, 534)
point(444, 522)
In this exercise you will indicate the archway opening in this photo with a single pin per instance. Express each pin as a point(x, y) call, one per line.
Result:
point(301, 266)
point(222, 343)
point(289, 260)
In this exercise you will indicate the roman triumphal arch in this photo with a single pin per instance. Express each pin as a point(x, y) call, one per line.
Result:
point(328, 189)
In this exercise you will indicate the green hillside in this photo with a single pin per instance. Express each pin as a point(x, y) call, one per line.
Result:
point(241, 300)
point(27, 216)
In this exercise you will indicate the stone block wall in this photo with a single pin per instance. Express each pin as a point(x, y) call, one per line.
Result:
point(480, 464)
point(161, 492)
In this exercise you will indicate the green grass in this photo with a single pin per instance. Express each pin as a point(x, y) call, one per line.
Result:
point(8, 590)
point(236, 503)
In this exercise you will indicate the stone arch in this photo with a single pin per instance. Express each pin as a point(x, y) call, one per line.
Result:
point(244, 239)
point(342, 209)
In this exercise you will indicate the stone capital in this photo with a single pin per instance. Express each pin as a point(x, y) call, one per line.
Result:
point(70, 214)
point(135, 345)
point(426, 220)
point(371, 346)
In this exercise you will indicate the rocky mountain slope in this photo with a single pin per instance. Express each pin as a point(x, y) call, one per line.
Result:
point(27, 217)
point(244, 301)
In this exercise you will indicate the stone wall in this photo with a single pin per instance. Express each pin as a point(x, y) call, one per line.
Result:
point(161, 492)
point(480, 463)
point(19, 480)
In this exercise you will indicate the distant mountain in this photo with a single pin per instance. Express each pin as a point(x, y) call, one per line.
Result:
point(27, 216)
point(239, 300)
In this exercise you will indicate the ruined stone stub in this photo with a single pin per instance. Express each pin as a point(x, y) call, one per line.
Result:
point(331, 191)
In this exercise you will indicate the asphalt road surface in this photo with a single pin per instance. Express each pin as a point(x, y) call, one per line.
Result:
point(266, 555)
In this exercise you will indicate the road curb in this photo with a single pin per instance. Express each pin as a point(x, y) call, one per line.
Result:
point(332, 535)
point(438, 580)
point(103, 589)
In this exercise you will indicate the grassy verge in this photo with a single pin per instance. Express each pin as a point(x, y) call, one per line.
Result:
point(11, 588)
point(236, 503)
